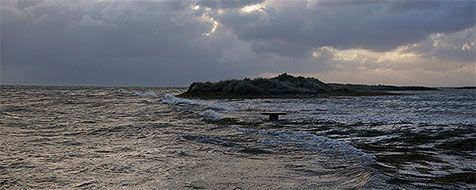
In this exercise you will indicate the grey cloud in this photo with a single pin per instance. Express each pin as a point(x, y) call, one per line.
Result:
point(454, 47)
point(112, 31)
point(281, 47)
point(375, 25)
point(227, 4)
point(101, 42)
point(163, 42)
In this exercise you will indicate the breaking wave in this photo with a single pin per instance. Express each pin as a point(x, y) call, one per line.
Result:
point(310, 142)
point(170, 99)
point(211, 115)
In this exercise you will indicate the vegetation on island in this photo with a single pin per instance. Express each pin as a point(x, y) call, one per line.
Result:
point(286, 86)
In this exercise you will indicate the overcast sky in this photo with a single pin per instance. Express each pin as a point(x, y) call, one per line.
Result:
point(172, 43)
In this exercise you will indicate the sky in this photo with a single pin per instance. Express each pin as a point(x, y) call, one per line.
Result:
point(173, 43)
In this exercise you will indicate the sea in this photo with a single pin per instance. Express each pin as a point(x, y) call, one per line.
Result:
point(59, 137)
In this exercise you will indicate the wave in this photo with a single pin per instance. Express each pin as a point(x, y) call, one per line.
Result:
point(310, 142)
point(146, 94)
point(170, 99)
point(211, 115)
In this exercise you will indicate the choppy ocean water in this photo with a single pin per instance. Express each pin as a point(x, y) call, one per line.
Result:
point(114, 137)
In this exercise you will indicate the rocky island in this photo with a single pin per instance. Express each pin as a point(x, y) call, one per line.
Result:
point(287, 86)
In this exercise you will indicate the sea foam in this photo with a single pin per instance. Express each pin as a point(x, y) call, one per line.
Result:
point(170, 99)
point(310, 142)
point(211, 115)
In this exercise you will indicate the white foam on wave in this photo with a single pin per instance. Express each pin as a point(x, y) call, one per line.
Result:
point(219, 106)
point(170, 99)
point(310, 142)
point(212, 115)
point(209, 114)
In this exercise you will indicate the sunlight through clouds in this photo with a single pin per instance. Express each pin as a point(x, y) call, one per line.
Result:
point(214, 27)
point(251, 8)
point(238, 38)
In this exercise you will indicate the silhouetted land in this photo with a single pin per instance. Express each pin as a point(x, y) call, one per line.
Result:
point(287, 86)
point(466, 87)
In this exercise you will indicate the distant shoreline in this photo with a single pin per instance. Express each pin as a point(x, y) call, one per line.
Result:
point(89, 86)
point(466, 87)
point(287, 86)
point(184, 87)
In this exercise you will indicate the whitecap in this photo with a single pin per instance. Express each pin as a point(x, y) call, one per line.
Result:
point(212, 115)
point(310, 142)
point(170, 99)
point(219, 106)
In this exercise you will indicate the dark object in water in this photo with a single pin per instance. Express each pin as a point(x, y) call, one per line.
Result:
point(273, 116)
point(466, 87)
point(286, 86)
point(463, 177)
point(468, 144)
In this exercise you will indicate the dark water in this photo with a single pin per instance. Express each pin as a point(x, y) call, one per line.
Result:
point(145, 138)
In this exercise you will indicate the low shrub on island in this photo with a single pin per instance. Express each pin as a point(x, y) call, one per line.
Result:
point(284, 85)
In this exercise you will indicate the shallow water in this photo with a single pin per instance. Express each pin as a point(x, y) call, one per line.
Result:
point(113, 137)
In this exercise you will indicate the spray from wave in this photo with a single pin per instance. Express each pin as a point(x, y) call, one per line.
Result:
point(210, 107)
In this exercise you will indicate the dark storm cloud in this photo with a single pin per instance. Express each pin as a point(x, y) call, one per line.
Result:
point(132, 42)
point(375, 25)
point(165, 42)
